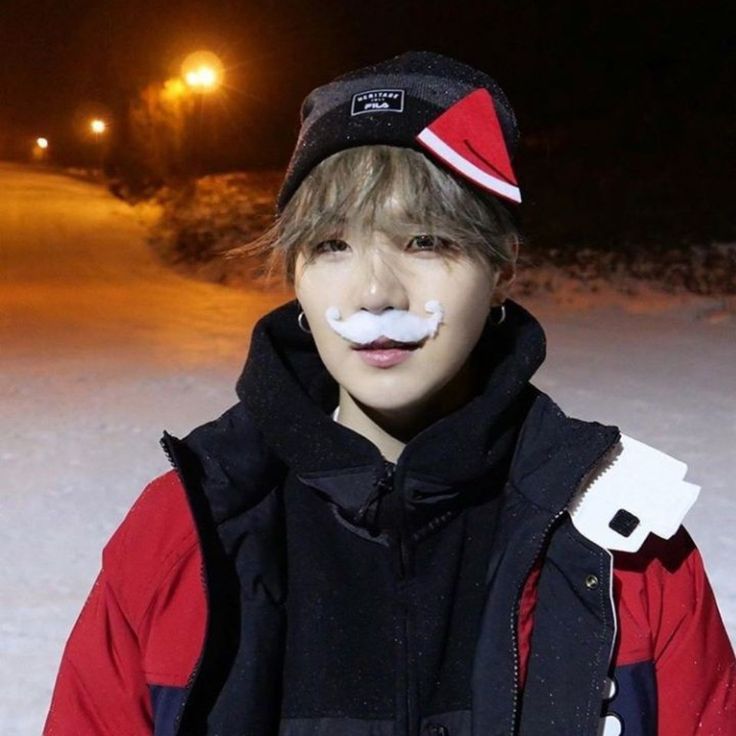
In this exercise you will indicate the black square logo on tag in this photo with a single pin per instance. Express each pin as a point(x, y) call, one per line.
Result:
point(624, 522)
point(378, 100)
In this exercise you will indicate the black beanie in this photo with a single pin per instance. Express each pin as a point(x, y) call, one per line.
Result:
point(432, 103)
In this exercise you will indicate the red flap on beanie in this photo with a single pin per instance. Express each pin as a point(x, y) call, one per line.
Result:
point(469, 139)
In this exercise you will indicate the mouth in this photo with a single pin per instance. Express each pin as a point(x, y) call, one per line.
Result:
point(384, 343)
point(384, 353)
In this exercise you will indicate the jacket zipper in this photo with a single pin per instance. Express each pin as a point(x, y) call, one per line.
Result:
point(404, 553)
point(165, 444)
point(383, 486)
point(517, 605)
point(515, 623)
point(387, 481)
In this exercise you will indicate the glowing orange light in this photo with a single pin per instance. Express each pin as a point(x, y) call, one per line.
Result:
point(98, 126)
point(42, 143)
point(174, 89)
point(202, 71)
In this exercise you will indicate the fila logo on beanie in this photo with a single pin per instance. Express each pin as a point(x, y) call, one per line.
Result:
point(378, 100)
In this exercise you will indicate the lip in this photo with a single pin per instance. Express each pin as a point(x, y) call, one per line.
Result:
point(384, 343)
point(386, 357)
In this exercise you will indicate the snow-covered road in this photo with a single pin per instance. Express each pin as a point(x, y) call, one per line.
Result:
point(101, 348)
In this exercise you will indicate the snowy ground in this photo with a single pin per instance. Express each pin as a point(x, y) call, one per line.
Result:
point(101, 349)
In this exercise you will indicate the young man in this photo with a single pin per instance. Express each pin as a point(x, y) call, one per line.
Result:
point(393, 531)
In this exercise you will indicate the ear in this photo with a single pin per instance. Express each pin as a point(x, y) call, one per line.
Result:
point(505, 275)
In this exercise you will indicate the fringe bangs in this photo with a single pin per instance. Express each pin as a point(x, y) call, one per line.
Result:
point(395, 190)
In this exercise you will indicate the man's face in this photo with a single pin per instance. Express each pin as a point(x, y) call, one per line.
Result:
point(373, 272)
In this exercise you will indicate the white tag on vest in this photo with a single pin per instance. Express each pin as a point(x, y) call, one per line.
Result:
point(636, 492)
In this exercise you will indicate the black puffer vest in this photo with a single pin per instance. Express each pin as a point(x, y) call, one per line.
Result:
point(353, 597)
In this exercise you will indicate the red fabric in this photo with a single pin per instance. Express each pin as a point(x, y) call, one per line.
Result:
point(472, 129)
point(668, 614)
point(143, 623)
point(527, 604)
point(145, 618)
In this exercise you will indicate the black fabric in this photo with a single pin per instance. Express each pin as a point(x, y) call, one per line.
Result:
point(166, 702)
point(367, 638)
point(562, 587)
point(429, 83)
point(229, 477)
point(360, 636)
point(553, 454)
point(635, 699)
point(317, 622)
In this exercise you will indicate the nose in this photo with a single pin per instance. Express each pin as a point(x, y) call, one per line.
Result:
point(378, 285)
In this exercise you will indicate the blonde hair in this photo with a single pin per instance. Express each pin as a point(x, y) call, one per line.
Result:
point(393, 189)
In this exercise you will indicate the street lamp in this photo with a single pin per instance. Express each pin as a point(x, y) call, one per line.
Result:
point(202, 71)
point(98, 127)
point(40, 149)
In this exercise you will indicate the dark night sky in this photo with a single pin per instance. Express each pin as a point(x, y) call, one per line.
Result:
point(652, 79)
point(560, 62)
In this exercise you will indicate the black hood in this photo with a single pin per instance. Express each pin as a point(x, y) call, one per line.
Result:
point(287, 390)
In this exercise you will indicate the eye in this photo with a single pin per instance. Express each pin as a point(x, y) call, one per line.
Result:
point(329, 246)
point(430, 242)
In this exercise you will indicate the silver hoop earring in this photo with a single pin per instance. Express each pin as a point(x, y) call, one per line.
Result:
point(301, 324)
point(501, 318)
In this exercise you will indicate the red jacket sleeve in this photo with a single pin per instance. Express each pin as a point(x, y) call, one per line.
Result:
point(693, 657)
point(143, 623)
point(100, 687)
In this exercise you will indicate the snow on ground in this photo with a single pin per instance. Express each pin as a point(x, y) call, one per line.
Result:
point(101, 349)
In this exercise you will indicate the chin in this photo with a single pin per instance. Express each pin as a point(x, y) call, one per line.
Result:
point(394, 399)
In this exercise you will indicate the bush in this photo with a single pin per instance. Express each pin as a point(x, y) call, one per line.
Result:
point(203, 219)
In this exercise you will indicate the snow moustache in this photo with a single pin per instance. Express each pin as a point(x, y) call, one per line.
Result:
point(395, 324)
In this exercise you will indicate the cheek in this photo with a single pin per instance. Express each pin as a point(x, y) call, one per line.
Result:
point(319, 287)
point(468, 318)
point(335, 352)
point(446, 354)
point(312, 298)
point(467, 302)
